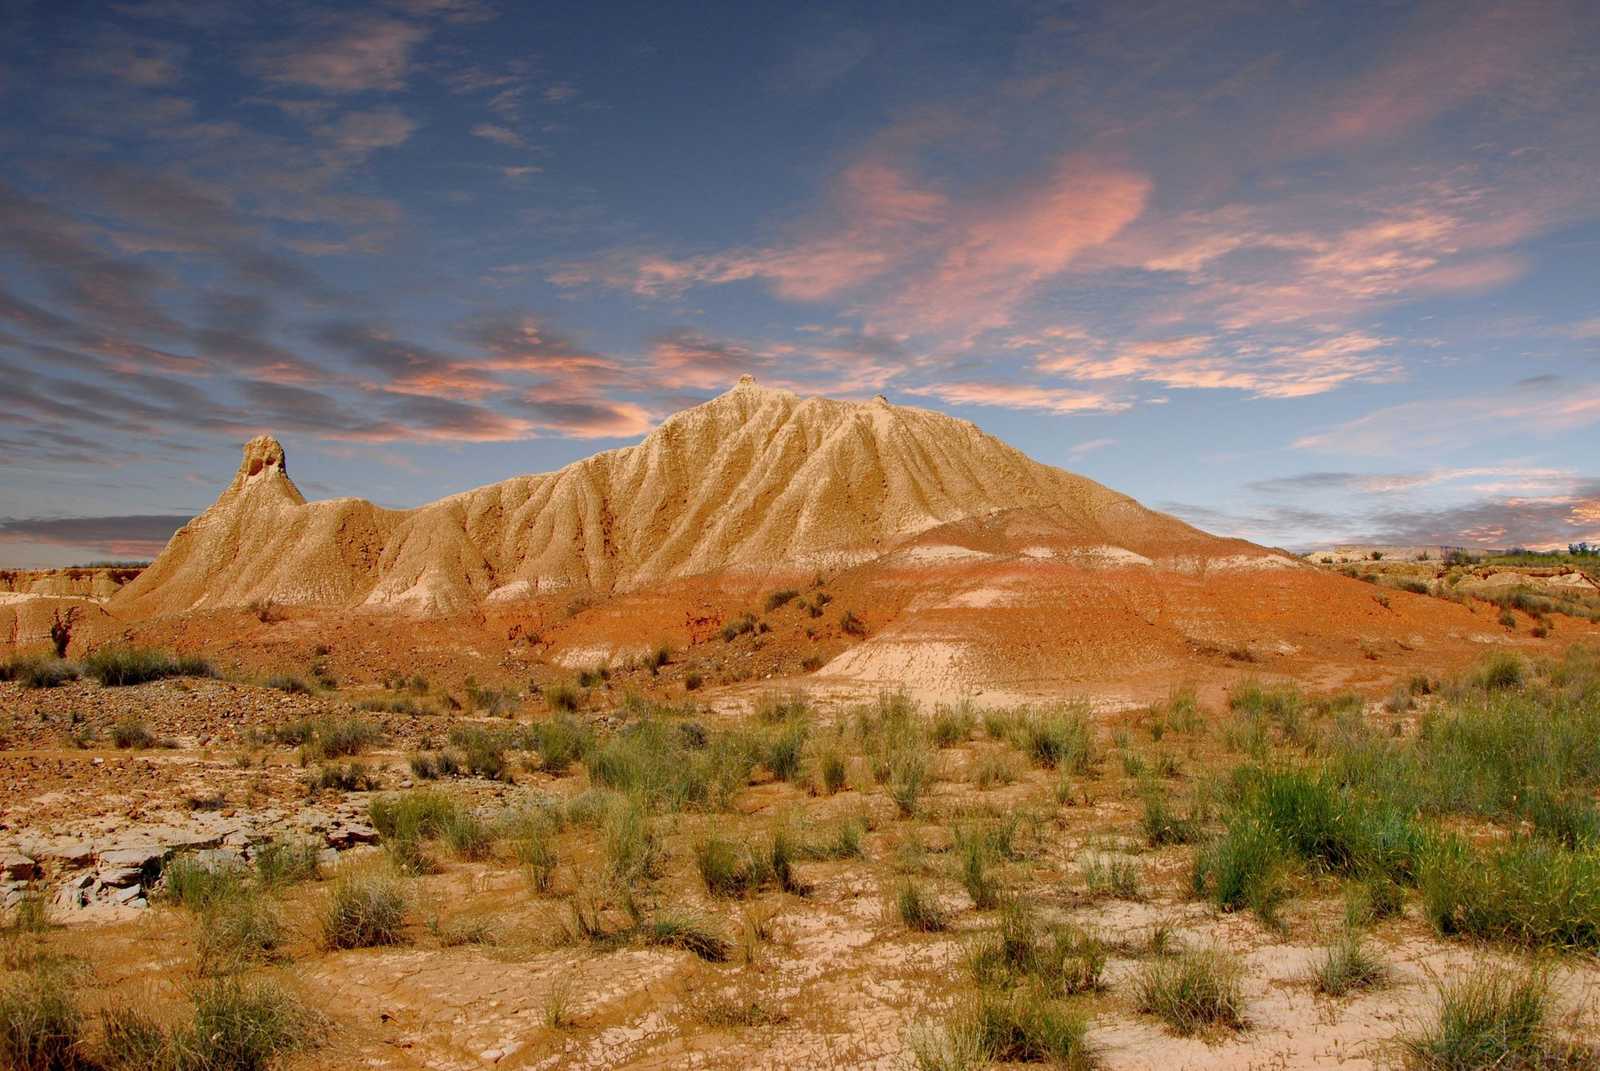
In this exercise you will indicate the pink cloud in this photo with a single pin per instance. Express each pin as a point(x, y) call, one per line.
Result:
point(1020, 396)
point(922, 260)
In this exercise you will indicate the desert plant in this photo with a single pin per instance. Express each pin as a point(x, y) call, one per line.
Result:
point(288, 860)
point(1345, 965)
point(242, 1026)
point(686, 932)
point(190, 883)
point(1492, 1018)
point(1192, 992)
point(561, 696)
point(129, 733)
point(1110, 876)
point(31, 671)
point(117, 667)
point(1057, 738)
point(238, 932)
point(917, 909)
point(362, 911)
point(41, 1026)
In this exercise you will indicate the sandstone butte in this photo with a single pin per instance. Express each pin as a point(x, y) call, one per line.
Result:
point(970, 561)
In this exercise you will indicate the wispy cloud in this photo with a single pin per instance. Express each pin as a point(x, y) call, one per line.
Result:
point(362, 53)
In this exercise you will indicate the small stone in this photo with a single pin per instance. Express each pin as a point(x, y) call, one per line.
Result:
point(141, 857)
point(18, 868)
point(128, 895)
point(121, 877)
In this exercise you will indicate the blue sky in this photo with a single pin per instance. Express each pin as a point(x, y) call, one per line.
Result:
point(1297, 273)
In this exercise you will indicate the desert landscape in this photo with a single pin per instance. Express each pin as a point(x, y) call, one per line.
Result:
point(812, 537)
point(802, 734)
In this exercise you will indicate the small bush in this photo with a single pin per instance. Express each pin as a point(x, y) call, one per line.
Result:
point(287, 682)
point(1162, 825)
point(1530, 892)
point(349, 777)
point(831, 768)
point(779, 599)
point(1109, 876)
point(1192, 993)
point(917, 909)
point(994, 768)
point(1023, 1027)
point(952, 725)
point(1502, 671)
point(364, 911)
point(238, 932)
point(1245, 867)
point(907, 779)
point(331, 738)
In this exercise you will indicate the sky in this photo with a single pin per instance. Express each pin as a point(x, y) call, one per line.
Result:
point(1302, 273)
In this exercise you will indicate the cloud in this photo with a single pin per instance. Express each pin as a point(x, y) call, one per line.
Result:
point(353, 54)
point(1020, 396)
point(686, 360)
point(133, 59)
point(1089, 446)
point(594, 418)
point(961, 265)
point(1194, 362)
point(354, 136)
point(137, 536)
point(1455, 422)
point(499, 135)
point(1523, 521)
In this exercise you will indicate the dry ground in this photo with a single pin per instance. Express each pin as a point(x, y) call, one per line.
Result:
point(490, 970)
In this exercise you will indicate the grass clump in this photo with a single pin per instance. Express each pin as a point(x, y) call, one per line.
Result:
point(131, 733)
point(41, 1026)
point(1493, 1019)
point(1529, 892)
point(1111, 876)
point(668, 930)
point(1346, 965)
point(917, 909)
point(198, 886)
point(288, 861)
point(118, 667)
point(952, 725)
point(1056, 739)
point(364, 911)
point(1006, 1027)
point(1192, 993)
point(239, 932)
point(33, 671)
point(336, 737)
